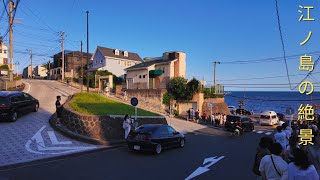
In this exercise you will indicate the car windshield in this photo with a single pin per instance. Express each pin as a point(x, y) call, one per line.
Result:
point(146, 129)
point(264, 117)
point(233, 118)
point(3, 100)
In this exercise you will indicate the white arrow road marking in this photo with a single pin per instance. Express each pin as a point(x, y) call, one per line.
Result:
point(201, 170)
point(54, 139)
point(259, 132)
point(38, 139)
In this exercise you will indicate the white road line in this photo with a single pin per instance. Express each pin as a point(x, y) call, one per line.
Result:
point(29, 86)
point(259, 132)
point(268, 133)
point(254, 131)
point(55, 141)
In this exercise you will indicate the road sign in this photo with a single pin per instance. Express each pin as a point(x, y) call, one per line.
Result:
point(108, 84)
point(134, 101)
point(205, 166)
point(290, 111)
point(210, 104)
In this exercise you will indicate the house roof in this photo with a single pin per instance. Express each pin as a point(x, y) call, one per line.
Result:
point(67, 52)
point(149, 63)
point(110, 53)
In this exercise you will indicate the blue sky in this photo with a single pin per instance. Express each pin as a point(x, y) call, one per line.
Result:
point(226, 31)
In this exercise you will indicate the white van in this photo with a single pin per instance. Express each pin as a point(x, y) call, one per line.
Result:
point(269, 118)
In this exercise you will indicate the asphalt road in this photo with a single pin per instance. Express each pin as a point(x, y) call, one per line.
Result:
point(177, 164)
point(31, 138)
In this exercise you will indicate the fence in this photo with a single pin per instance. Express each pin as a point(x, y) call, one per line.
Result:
point(7, 85)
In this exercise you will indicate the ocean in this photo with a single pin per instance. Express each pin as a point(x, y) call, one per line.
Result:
point(259, 101)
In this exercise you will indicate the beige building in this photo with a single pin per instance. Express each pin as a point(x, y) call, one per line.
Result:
point(155, 73)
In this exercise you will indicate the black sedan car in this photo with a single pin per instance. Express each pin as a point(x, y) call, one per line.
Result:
point(155, 138)
point(243, 112)
point(246, 123)
point(14, 104)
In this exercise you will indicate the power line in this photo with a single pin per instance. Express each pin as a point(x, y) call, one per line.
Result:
point(265, 60)
point(267, 77)
point(4, 10)
point(282, 43)
point(274, 100)
point(315, 64)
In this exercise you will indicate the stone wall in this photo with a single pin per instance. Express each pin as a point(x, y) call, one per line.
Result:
point(219, 106)
point(102, 127)
point(150, 97)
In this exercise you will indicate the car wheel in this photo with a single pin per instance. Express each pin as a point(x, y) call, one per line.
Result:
point(158, 149)
point(14, 116)
point(182, 143)
point(36, 108)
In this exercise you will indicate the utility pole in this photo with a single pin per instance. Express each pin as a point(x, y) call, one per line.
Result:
point(214, 75)
point(81, 56)
point(62, 46)
point(49, 74)
point(87, 51)
point(11, 39)
point(30, 51)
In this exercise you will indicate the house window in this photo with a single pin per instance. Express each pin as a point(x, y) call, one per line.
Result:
point(163, 69)
point(140, 76)
point(144, 76)
point(116, 52)
point(125, 53)
point(5, 51)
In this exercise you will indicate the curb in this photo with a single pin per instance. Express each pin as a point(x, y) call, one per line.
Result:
point(78, 137)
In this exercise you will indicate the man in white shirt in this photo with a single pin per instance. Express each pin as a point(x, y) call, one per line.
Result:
point(287, 132)
point(273, 167)
point(280, 137)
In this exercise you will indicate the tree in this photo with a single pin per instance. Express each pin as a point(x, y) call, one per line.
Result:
point(193, 87)
point(167, 98)
point(177, 88)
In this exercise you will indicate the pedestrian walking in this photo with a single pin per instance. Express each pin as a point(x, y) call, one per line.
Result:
point(273, 166)
point(217, 121)
point(204, 116)
point(107, 91)
point(287, 132)
point(212, 119)
point(58, 110)
point(280, 137)
point(125, 95)
point(192, 114)
point(262, 150)
point(188, 115)
point(293, 145)
point(197, 114)
point(301, 168)
point(68, 82)
point(224, 118)
point(126, 125)
point(221, 118)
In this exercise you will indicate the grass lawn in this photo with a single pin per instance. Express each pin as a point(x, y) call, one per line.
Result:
point(96, 104)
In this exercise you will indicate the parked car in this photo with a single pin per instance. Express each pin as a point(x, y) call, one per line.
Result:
point(155, 138)
point(269, 118)
point(244, 112)
point(232, 109)
point(15, 104)
point(246, 122)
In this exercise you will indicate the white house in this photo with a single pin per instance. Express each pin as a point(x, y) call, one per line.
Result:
point(3, 54)
point(113, 60)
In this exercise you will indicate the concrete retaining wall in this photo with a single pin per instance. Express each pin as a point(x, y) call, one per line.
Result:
point(101, 127)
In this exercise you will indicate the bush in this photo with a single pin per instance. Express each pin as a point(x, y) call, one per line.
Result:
point(176, 112)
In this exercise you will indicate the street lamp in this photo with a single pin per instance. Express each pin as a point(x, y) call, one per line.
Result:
point(17, 64)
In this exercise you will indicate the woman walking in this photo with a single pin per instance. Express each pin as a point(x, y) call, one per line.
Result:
point(126, 125)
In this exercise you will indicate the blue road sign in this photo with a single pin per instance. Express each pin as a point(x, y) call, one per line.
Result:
point(134, 101)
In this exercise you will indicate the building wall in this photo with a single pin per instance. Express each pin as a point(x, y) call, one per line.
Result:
point(139, 78)
point(27, 71)
point(40, 71)
point(117, 65)
point(3, 54)
point(98, 60)
point(219, 106)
